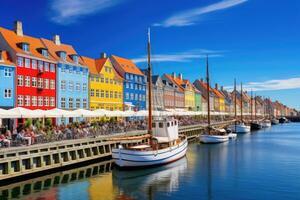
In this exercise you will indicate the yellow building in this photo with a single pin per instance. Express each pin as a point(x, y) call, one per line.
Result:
point(105, 84)
point(219, 100)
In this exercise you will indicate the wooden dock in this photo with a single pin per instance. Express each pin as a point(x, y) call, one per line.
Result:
point(20, 161)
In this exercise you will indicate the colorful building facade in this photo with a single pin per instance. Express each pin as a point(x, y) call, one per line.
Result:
point(202, 87)
point(105, 84)
point(71, 76)
point(134, 83)
point(198, 100)
point(35, 69)
point(7, 81)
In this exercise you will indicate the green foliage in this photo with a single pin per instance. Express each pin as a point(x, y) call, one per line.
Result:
point(48, 122)
point(28, 123)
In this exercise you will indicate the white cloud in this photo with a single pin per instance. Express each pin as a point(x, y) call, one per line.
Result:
point(69, 11)
point(283, 84)
point(189, 17)
point(178, 57)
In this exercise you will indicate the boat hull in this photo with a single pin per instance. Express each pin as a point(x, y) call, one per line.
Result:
point(213, 139)
point(240, 128)
point(266, 124)
point(126, 158)
point(255, 126)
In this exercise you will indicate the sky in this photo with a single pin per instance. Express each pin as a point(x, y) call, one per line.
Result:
point(255, 41)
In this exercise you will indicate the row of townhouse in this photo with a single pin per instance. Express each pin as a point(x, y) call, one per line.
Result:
point(38, 73)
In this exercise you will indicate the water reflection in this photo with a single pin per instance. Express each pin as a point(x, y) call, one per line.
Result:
point(150, 181)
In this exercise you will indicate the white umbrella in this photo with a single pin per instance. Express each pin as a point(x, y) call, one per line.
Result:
point(129, 113)
point(25, 113)
point(142, 113)
point(58, 113)
point(5, 114)
point(84, 113)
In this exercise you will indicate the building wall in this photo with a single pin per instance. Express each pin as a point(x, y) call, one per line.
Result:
point(7, 82)
point(198, 102)
point(222, 104)
point(106, 89)
point(69, 74)
point(189, 99)
point(135, 91)
point(28, 95)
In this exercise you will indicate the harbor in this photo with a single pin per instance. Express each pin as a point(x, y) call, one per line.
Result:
point(208, 171)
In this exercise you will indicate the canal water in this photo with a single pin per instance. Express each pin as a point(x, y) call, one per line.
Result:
point(260, 165)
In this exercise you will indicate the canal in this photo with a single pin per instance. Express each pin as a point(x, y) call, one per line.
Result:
point(260, 165)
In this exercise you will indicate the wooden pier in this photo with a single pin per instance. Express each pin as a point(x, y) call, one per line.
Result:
point(20, 161)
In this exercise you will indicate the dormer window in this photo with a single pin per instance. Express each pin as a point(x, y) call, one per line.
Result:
point(75, 58)
point(62, 55)
point(45, 52)
point(24, 46)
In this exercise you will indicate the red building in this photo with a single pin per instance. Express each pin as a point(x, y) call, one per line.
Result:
point(35, 69)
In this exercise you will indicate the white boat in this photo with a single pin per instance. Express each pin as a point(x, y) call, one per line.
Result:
point(240, 128)
point(165, 146)
point(266, 124)
point(213, 139)
point(232, 135)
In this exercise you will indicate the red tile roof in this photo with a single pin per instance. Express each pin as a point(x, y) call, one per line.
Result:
point(13, 40)
point(127, 65)
point(6, 59)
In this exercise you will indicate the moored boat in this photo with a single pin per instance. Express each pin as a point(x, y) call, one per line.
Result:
point(274, 121)
point(255, 125)
point(266, 124)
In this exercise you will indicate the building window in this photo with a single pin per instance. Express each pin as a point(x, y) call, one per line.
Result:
point(27, 101)
point(111, 94)
point(78, 86)
point(63, 85)
point(71, 103)
point(102, 93)
point(131, 76)
point(116, 95)
point(92, 92)
point(63, 69)
point(75, 59)
point(77, 103)
point(84, 103)
point(20, 80)
point(106, 94)
point(97, 93)
point(144, 98)
point(102, 79)
point(52, 67)
point(40, 65)
point(7, 93)
point(34, 64)
point(20, 100)
point(25, 47)
point(106, 80)
point(131, 85)
point(46, 101)
point(33, 82)
point(46, 83)
point(126, 95)
point(120, 95)
point(127, 76)
point(63, 55)
point(136, 86)
point(110, 81)
point(40, 83)
point(27, 63)
point(7, 72)
point(52, 84)
point(71, 86)
point(52, 101)
point(46, 67)
point(140, 97)
point(131, 96)
point(27, 81)
point(33, 101)
point(45, 52)
point(84, 86)
point(136, 97)
point(20, 62)
point(63, 102)
point(40, 101)
point(71, 70)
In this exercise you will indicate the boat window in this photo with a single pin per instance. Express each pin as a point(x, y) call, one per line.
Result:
point(175, 123)
point(161, 125)
point(153, 125)
point(168, 124)
point(172, 123)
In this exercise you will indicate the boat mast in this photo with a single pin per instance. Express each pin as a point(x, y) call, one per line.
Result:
point(241, 102)
point(251, 106)
point(149, 87)
point(235, 110)
point(255, 106)
point(208, 97)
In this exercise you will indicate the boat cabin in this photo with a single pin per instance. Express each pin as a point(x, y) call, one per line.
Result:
point(165, 130)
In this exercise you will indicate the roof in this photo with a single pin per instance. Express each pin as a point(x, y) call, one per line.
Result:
point(204, 86)
point(54, 49)
point(96, 65)
point(34, 43)
point(6, 59)
point(173, 81)
point(218, 93)
point(127, 65)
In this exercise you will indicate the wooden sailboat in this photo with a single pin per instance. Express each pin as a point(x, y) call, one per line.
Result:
point(211, 136)
point(266, 123)
point(165, 144)
point(255, 125)
point(240, 127)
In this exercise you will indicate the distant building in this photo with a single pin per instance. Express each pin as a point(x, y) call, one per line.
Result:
point(202, 87)
point(198, 100)
point(134, 83)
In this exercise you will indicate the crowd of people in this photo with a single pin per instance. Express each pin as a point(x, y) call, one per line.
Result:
point(32, 134)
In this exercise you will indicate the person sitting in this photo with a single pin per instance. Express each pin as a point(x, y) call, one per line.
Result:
point(4, 140)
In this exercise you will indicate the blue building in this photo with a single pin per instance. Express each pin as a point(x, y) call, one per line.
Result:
point(71, 76)
point(7, 80)
point(134, 83)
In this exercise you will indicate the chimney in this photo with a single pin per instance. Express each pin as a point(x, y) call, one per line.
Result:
point(103, 55)
point(18, 28)
point(216, 86)
point(56, 39)
point(180, 76)
point(173, 75)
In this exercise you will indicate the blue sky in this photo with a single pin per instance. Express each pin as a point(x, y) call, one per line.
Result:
point(255, 41)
